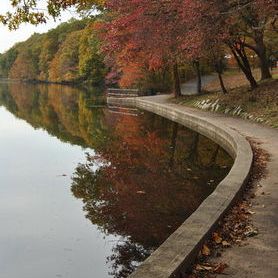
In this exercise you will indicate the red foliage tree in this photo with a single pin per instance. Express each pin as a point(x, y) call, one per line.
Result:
point(158, 33)
point(145, 32)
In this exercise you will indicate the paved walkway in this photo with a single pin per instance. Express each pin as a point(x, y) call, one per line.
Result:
point(190, 87)
point(259, 258)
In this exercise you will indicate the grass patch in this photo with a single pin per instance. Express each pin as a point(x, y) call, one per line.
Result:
point(275, 75)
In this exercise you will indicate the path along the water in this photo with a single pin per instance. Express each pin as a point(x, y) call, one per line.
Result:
point(259, 258)
point(190, 87)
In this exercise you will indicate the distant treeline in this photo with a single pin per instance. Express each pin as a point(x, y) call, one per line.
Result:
point(69, 53)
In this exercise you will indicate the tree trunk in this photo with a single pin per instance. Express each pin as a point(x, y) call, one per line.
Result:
point(219, 69)
point(199, 76)
point(177, 86)
point(223, 88)
point(261, 51)
point(242, 60)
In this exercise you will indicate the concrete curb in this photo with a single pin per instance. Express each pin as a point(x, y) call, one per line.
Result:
point(178, 252)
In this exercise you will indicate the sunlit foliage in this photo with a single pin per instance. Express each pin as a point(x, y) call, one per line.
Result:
point(32, 11)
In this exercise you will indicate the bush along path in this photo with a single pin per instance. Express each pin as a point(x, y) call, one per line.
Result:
point(249, 232)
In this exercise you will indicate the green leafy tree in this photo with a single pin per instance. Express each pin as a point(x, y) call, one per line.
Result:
point(64, 66)
point(52, 42)
point(29, 11)
point(91, 60)
point(6, 61)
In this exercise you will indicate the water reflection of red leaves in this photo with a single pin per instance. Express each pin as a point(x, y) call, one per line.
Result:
point(139, 162)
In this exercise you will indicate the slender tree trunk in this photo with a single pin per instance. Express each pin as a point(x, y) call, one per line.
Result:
point(219, 69)
point(177, 85)
point(223, 88)
point(242, 60)
point(261, 51)
point(199, 76)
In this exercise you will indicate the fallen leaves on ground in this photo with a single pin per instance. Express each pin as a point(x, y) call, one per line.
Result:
point(205, 250)
point(226, 243)
point(209, 268)
point(217, 238)
point(235, 227)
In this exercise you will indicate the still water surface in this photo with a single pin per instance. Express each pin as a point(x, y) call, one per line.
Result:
point(88, 190)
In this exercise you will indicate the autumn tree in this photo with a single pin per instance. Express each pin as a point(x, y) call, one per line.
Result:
point(251, 20)
point(209, 29)
point(201, 38)
point(64, 66)
point(52, 42)
point(246, 23)
point(146, 34)
point(91, 59)
point(25, 66)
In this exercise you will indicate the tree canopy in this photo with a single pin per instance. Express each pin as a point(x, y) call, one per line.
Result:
point(139, 37)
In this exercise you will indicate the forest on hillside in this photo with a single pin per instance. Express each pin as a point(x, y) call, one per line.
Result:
point(69, 53)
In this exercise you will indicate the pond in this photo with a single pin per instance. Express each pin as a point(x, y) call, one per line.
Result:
point(88, 190)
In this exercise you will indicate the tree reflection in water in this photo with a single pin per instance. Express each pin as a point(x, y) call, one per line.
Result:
point(149, 176)
point(144, 175)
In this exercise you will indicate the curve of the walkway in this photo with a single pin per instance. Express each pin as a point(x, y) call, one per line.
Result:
point(177, 253)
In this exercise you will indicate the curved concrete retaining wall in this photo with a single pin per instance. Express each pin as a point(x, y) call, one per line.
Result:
point(178, 252)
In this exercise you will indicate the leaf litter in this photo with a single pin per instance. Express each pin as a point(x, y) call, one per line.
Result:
point(236, 226)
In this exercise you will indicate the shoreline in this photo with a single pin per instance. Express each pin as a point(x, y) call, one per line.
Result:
point(178, 252)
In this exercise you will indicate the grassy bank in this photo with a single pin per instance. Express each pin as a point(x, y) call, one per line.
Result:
point(260, 105)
